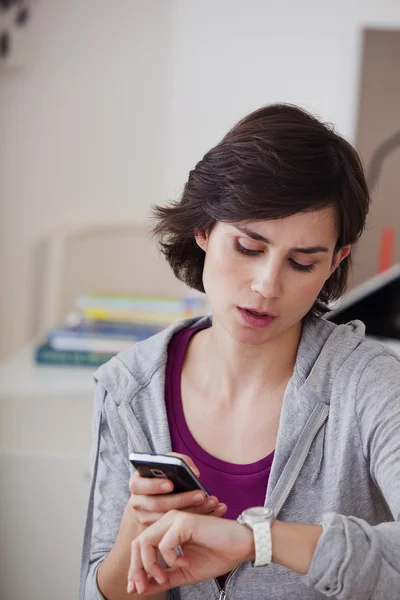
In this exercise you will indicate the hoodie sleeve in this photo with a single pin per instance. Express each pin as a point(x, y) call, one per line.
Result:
point(364, 560)
point(109, 492)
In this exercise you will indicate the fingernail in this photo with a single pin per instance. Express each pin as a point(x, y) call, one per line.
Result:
point(198, 497)
point(211, 502)
point(159, 580)
point(130, 587)
point(138, 589)
point(166, 487)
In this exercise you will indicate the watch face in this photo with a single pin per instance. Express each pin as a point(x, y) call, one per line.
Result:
point(258, 513)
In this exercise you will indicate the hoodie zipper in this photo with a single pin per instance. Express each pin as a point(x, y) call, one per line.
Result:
point(302, 459)
point(322, 417)
point(222, 591)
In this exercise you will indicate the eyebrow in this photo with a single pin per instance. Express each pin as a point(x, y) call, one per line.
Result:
point(261, 238)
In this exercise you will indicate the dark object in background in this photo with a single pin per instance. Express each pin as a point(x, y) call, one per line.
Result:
point(376, 302)
point(21, 13)
point(5, 44)
point(22, 16)
point(6, 4)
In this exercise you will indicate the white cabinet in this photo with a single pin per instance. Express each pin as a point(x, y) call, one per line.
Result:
point(45, 437)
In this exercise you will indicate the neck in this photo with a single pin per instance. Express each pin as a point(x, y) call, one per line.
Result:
point(237, 372)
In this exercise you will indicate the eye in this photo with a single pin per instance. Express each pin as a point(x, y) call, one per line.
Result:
point(300, 267)
point(246, 251)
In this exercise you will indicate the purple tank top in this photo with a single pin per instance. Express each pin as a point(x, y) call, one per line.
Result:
point(238, 486)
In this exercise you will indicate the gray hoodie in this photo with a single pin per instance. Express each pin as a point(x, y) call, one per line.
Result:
point(337, 462)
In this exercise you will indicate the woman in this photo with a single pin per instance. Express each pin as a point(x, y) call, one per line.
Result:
point(276, 406)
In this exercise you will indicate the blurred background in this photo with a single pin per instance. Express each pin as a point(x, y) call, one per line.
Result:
point(104, 108)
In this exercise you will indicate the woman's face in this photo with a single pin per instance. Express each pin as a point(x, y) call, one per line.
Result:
point(262, 277)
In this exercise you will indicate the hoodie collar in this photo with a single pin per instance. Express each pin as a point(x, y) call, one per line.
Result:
point(323, 348)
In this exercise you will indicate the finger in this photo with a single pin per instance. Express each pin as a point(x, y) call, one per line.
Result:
point(220, 510)
point(131, 588)
point(148, 518)
point(188, 461)
point(137, 577)
point(149, 554)
point(175, 535)
point(153, 587)
point(149, 541)
point(208, 507)
point(144, 555)
point(148, 486)
point(166, 502)
point(175, 578)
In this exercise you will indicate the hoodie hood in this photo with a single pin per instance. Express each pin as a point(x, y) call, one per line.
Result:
point(323, 350)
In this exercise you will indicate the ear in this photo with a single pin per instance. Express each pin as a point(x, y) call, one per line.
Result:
point(339, 256)
point(201, 238)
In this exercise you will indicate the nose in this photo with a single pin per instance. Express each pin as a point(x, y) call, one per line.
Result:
point(267, 281)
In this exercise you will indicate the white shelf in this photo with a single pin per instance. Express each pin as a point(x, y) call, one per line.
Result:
point(21, 376)
point(45, 438)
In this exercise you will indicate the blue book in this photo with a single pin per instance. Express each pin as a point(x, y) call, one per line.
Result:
point(84, 328)
point(47, 355)
point(104, 337)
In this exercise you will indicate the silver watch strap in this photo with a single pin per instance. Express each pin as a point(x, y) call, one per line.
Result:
point(262, 543)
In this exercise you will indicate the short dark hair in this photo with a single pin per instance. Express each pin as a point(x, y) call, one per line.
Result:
point(277, 161)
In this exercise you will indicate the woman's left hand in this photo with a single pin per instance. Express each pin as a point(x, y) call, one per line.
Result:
point(210, 547)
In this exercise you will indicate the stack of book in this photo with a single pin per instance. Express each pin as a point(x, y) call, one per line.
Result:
point(104, 325)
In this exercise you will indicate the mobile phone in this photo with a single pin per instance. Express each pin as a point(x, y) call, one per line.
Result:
point(169, 467)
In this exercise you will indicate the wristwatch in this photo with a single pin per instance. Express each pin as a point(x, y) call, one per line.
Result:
point(259, 519)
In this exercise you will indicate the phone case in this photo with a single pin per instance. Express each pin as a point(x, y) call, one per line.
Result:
point(175, 469)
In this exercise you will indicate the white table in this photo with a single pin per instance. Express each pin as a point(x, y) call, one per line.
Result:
point(45, 437)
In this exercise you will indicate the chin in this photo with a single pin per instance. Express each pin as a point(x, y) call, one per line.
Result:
point(252, 337)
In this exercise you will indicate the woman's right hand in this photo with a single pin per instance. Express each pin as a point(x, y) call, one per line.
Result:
point(150, 497)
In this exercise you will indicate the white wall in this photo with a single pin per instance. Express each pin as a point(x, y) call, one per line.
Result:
point(116, 101)
point(232, 56)
point(83, 131)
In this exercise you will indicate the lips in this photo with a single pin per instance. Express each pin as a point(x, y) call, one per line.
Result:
point(259, 313)
point(255, 318)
